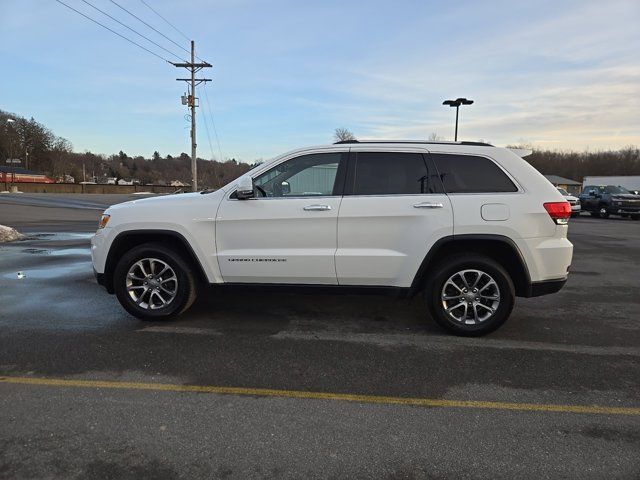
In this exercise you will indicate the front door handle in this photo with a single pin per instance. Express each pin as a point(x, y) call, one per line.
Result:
point(317, 207)
point(428, 205)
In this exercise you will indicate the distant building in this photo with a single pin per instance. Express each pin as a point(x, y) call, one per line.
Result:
point(22, 175)
point(630, 182)
point(569, 185)
point(66, 179)
point(178, 183)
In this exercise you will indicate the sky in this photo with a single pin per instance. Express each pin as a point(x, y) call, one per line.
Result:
point(555, 74)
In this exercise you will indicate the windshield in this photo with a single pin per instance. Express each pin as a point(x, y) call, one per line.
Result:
point(563, 192)
point(614, 189)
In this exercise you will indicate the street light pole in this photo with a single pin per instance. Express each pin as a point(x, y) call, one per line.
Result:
point(455, 138)
point(11, 121)
point(456, 103)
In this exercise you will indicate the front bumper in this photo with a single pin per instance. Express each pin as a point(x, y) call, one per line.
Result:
point(99, 277)
point(623, 209)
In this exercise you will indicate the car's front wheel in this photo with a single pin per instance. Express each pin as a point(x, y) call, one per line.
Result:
point(470, 294)
point(153, 282)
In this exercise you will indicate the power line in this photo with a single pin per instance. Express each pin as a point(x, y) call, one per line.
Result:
point(215, 131)
point(133, 30)
point(213, 163)
point(114, 32)
point(167, 21)
point(170, 24)
point(151, 27)
point(206, 126)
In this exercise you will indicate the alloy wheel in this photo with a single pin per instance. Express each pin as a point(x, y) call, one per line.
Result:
point(470, 296)
point(151, 283)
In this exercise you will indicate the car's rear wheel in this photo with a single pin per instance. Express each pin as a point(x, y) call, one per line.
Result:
point(594, 214)
point(153, 282)
point(470, 295)
point(603, 213)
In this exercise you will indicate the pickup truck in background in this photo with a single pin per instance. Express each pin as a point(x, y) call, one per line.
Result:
point(604, 200)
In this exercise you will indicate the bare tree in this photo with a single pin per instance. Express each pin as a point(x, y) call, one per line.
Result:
point(434, 137)
point(343, 134)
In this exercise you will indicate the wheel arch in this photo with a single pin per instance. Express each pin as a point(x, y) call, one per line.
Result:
point(132, 238)
point(500, 248)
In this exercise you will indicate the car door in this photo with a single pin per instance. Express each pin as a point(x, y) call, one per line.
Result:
point(393, 211)
point(590, 198)
point(287, 232)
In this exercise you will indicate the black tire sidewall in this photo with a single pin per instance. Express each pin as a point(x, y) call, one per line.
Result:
point(175, 261)
point(468, 262)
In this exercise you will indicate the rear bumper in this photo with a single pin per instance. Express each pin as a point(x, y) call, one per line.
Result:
point(547, 258)
point(546, 287)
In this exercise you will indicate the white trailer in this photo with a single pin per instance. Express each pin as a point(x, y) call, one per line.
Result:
point(630, 182)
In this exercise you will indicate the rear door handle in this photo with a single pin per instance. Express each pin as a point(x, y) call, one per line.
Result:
point(428, 205)
point(317, 207)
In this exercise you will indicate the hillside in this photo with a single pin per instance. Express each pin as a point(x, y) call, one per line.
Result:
point(54, 156)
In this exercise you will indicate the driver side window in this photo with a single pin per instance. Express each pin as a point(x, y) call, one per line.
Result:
point(304, 176)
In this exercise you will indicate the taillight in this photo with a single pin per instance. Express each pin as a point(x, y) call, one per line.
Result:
point(558, 211)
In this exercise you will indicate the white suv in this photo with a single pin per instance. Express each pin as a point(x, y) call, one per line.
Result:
point(573, 201)
point(468, 225)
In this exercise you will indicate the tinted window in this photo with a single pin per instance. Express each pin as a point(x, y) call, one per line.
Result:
point(382, 173)
point(471, 174)
point(304, 176)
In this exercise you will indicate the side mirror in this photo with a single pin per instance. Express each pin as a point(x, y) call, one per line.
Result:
point(286, 188)
point(245, 188)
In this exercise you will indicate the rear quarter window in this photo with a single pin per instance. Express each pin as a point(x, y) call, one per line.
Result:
point(471, 174)
point(392, 173)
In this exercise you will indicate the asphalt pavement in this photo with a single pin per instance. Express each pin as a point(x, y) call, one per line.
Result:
point(277, 385)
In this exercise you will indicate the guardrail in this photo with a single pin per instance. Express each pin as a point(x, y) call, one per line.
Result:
point(92, 188)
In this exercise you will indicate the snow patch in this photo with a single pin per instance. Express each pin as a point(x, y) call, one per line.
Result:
point(8, 234)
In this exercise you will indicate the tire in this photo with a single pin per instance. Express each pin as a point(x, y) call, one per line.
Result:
point(178, 294)
point(467, 324)
point(602, 213)
point(595, 214)
point(575, 214)
point(635, 217)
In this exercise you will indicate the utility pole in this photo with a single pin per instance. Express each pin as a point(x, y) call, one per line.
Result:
point(456, 103)
point(192, 82)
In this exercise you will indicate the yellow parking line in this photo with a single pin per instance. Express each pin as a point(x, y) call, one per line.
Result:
point(344, 397)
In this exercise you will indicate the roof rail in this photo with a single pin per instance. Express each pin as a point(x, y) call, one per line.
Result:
point(475, 144)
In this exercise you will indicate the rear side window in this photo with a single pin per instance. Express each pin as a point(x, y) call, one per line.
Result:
point(471, 174)
point(392, 173)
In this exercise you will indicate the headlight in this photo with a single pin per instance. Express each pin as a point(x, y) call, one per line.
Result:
point(104, 219)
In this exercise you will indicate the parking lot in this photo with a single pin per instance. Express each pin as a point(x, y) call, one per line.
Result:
point(277, 385)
